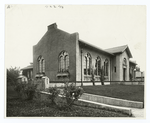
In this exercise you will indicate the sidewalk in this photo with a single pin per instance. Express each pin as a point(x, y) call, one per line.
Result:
point(139, 113)
point(136, 112)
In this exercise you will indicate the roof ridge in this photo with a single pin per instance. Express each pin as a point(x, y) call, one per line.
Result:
point(95, 47)
point(125, 48)
point(116, 47)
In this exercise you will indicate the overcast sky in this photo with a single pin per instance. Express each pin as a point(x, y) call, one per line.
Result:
point(102, 26)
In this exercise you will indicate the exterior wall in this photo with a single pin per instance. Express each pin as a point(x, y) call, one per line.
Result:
point(131, 71)
point(113, 73)
point(78, 63)
point(118, 62)
point(28, 73)
point(94, 55)
point(55, 41)
point(49, 47)
point(124, 55)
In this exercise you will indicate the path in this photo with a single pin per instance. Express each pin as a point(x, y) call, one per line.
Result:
point(137, 112)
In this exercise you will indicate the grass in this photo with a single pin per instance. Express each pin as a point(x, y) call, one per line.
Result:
point(128, 92)
point(36, 108)
point(20, 108)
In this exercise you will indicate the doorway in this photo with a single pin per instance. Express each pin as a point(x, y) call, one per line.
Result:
point(124, 74)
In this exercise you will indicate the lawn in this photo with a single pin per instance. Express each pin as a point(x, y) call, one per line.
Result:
point(36, 108)
point(128, 92)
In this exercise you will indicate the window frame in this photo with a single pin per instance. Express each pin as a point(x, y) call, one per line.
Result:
point(97, 66)
point(87, 64)
point(41, 64)
point(106, 67)
point(63, 60)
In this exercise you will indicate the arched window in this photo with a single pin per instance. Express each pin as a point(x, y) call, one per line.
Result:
point(124, 62)
point(41, 65)
point(106, 67)
point(97, 66)
point(66, 62)
point(87, 64)
point(63, 62)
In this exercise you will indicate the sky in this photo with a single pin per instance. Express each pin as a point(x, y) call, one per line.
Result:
point(104, 26)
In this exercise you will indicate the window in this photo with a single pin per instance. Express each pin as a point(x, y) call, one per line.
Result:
point(41, 65)
point(97, 66)
point(124, 62)
point(115, 69)
point(63, 62)
point(87, 64)
point(106, 67)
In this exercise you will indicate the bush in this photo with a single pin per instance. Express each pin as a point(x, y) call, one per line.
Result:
point(12, 75)
point(30, 91)
point(54, 93)
point(65, 98)
point(72, 93)
point(26, 91)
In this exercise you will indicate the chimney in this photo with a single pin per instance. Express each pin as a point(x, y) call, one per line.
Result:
point(52, 26)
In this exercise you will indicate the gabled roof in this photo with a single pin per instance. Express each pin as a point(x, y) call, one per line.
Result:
point(81, 42)
point(119, 49)
point(133, 62)
point(28, 67)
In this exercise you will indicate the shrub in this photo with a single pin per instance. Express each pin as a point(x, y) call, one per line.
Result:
point(19, 88)
point(54, 93)
point(26, 91)
point(72, 93)
point(65, 97)
point(30, 91)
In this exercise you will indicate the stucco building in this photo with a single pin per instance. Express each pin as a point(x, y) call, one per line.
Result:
point(65, 57)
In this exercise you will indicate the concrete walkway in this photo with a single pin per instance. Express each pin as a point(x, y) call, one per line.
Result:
point(136, 112)
point(139, 113)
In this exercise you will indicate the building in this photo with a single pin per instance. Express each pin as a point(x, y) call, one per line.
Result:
point(139, 76)
point(28, 72)
point(65, 57)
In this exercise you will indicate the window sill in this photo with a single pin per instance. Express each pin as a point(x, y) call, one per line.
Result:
point(39, 75)
point(97, 76)
point(88, 75)
point(62, 74)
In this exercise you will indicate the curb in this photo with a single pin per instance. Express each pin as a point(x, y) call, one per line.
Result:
point(104, 106)
point(111, 101)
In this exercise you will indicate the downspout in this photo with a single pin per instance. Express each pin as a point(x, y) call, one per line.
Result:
point(81, 69)
point(110, 68)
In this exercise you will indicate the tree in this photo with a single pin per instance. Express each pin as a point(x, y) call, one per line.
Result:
point(12, 75)
point(93, 76)
point(102, 77)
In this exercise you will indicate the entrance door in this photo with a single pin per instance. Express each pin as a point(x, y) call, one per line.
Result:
point(124, 74)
